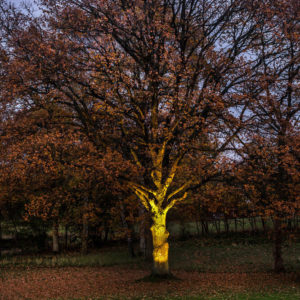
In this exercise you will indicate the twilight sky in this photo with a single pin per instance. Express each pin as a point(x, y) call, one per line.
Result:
point(18, 2)
point(21, 2)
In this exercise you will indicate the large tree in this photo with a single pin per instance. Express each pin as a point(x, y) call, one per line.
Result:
point(162, 82)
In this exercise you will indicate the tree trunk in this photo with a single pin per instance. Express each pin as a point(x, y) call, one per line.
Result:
point(55, 238)
point(106, 233)
point(263, 223)
point(0, 235)
point(226, 224)
point(85, 228)
point(217, 226)
point(197, 227)
point(289, 224)
point(129, 231)
point(205, 230)
point(255, 224)
point(277, 250)
point(160, 245)
point(66, 237)
point(84, 237)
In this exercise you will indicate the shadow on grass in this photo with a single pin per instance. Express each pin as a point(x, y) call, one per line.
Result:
point(158, 278)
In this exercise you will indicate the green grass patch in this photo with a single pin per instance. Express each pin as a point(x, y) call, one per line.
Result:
point(242, 253)
point(229, 255)
point(99, 259)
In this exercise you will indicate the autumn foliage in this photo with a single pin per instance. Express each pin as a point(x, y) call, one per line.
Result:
point(108, 105)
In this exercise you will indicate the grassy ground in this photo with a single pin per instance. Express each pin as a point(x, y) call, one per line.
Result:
point(242, 252)
point(232, 267)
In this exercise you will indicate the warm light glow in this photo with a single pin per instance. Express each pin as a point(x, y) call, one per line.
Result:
point(160, 236)
point(160, 254)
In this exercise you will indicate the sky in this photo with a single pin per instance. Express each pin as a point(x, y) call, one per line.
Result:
point(18, 3)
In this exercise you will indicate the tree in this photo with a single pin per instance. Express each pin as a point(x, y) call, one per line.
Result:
point(271, 147)
point(159, 81)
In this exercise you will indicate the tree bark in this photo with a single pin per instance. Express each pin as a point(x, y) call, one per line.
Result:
point(277, 250)
point(66, 237)
point(142, 231)
point(85, 228)
point(129, 231)
point(55, 238)
point(0, 236)
point(160, 246)
point(205, 230)
point(84, 237)
point(226, 224)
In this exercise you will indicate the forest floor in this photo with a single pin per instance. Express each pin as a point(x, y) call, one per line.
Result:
point(122, 282)
point(205, 269)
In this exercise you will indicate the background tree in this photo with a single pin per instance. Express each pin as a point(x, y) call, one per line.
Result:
point(271, 146)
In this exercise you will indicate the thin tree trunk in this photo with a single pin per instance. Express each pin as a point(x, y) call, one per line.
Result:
point(255, 224)
point(263, 223)
point(217, 226)
point(106, 233)
point(55, 238)
point(206, 223)
point(129, 231)
point(0, 234)
point(197, 227)
point(204, 228)
point(85, 229)
point(66, 236)
point(84, 237)
point(226, 224)
point(277, 250)
point(289, 224)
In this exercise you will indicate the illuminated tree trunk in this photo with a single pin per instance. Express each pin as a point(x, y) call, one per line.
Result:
point(158, 202)
point(160, 245)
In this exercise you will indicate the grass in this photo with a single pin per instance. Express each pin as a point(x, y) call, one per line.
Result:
point(230, 255)
point(226, 254)
point(99, 259)
point(242, 252)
